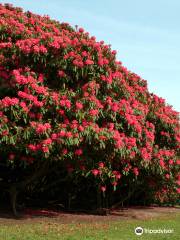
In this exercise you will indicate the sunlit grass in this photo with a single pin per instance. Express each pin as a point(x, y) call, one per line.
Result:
point(120, 230)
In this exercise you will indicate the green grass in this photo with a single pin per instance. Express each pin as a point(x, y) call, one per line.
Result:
point(116, 230)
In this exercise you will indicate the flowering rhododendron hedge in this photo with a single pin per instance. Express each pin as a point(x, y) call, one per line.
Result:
point(65, 98)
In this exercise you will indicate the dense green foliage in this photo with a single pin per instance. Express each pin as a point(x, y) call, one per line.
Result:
point(73, 119)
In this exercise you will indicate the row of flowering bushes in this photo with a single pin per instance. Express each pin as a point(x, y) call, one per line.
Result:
point(66, 100)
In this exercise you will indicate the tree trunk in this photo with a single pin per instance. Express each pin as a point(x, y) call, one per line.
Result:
point(14, 188)
point(13, 199)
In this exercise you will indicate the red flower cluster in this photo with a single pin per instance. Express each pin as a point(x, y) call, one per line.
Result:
point(67, 95)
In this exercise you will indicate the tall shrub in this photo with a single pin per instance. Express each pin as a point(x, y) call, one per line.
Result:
point(65, 98)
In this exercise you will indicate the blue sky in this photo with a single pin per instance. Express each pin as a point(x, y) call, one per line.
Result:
point(146, 35)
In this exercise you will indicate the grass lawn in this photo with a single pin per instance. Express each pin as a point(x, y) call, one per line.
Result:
point(101, 230)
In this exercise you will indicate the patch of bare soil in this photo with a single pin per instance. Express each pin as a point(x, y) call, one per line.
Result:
point(34, 216)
